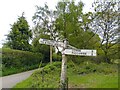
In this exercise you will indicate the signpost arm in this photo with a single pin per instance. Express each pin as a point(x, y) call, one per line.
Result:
point(63, 79)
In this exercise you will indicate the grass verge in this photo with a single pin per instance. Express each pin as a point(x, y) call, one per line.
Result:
point(86, 76)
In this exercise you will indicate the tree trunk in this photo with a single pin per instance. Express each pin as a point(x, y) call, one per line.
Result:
point(107, 59)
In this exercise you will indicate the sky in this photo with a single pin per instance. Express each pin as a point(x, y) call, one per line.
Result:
point(11, 9)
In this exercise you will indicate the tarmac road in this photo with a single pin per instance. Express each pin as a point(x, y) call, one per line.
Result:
point(12, 80)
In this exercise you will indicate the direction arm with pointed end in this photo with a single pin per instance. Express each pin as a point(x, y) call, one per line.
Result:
point(51, 42)
point(80, 52)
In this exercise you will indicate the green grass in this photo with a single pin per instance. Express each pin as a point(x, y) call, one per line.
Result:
point(86, 76)
point(13, 70)
point(93, 80)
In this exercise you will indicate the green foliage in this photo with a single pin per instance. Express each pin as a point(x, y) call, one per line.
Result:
point(74, 25)
point(91, 67)
point(106, 76)
point(93, 81)
point(57, 57)
point(40, 48)
point(19, 36)
point(88, 67)
point(105, 23)
point(49, 67)
point(44, 19)
point(114, 52)
point(44, 76)
point(19, 60)
point(69, 22)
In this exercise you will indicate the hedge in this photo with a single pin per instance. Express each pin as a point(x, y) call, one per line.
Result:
point(18, 58)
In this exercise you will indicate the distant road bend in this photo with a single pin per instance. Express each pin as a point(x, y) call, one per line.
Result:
point(12, 80)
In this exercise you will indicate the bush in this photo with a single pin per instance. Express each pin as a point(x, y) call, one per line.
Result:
point(107, 68)
point(87, 67)
point(55, 66)
point(20, 59)
point(90, 67)
point(57, 57)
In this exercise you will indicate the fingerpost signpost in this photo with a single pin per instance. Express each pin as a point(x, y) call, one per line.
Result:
point(65, 51)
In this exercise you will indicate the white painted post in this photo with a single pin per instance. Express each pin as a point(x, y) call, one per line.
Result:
point(50, 54)
point(63, 69)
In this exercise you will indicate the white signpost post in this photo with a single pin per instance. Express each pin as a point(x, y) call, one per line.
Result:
point(80, 52)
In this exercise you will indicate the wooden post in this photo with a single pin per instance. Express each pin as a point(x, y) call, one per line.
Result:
point(63, 69)
point(50, 54)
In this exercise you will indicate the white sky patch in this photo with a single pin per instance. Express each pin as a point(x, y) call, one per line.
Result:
point(11, 9)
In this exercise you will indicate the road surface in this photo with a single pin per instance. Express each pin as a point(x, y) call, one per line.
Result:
point(12, 80)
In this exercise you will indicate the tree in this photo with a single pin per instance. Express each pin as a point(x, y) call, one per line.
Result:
point(20, 34)
point(39, 48)
point(73, 24)
point(44, 24)
point(44, 19)
point(105, 23)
